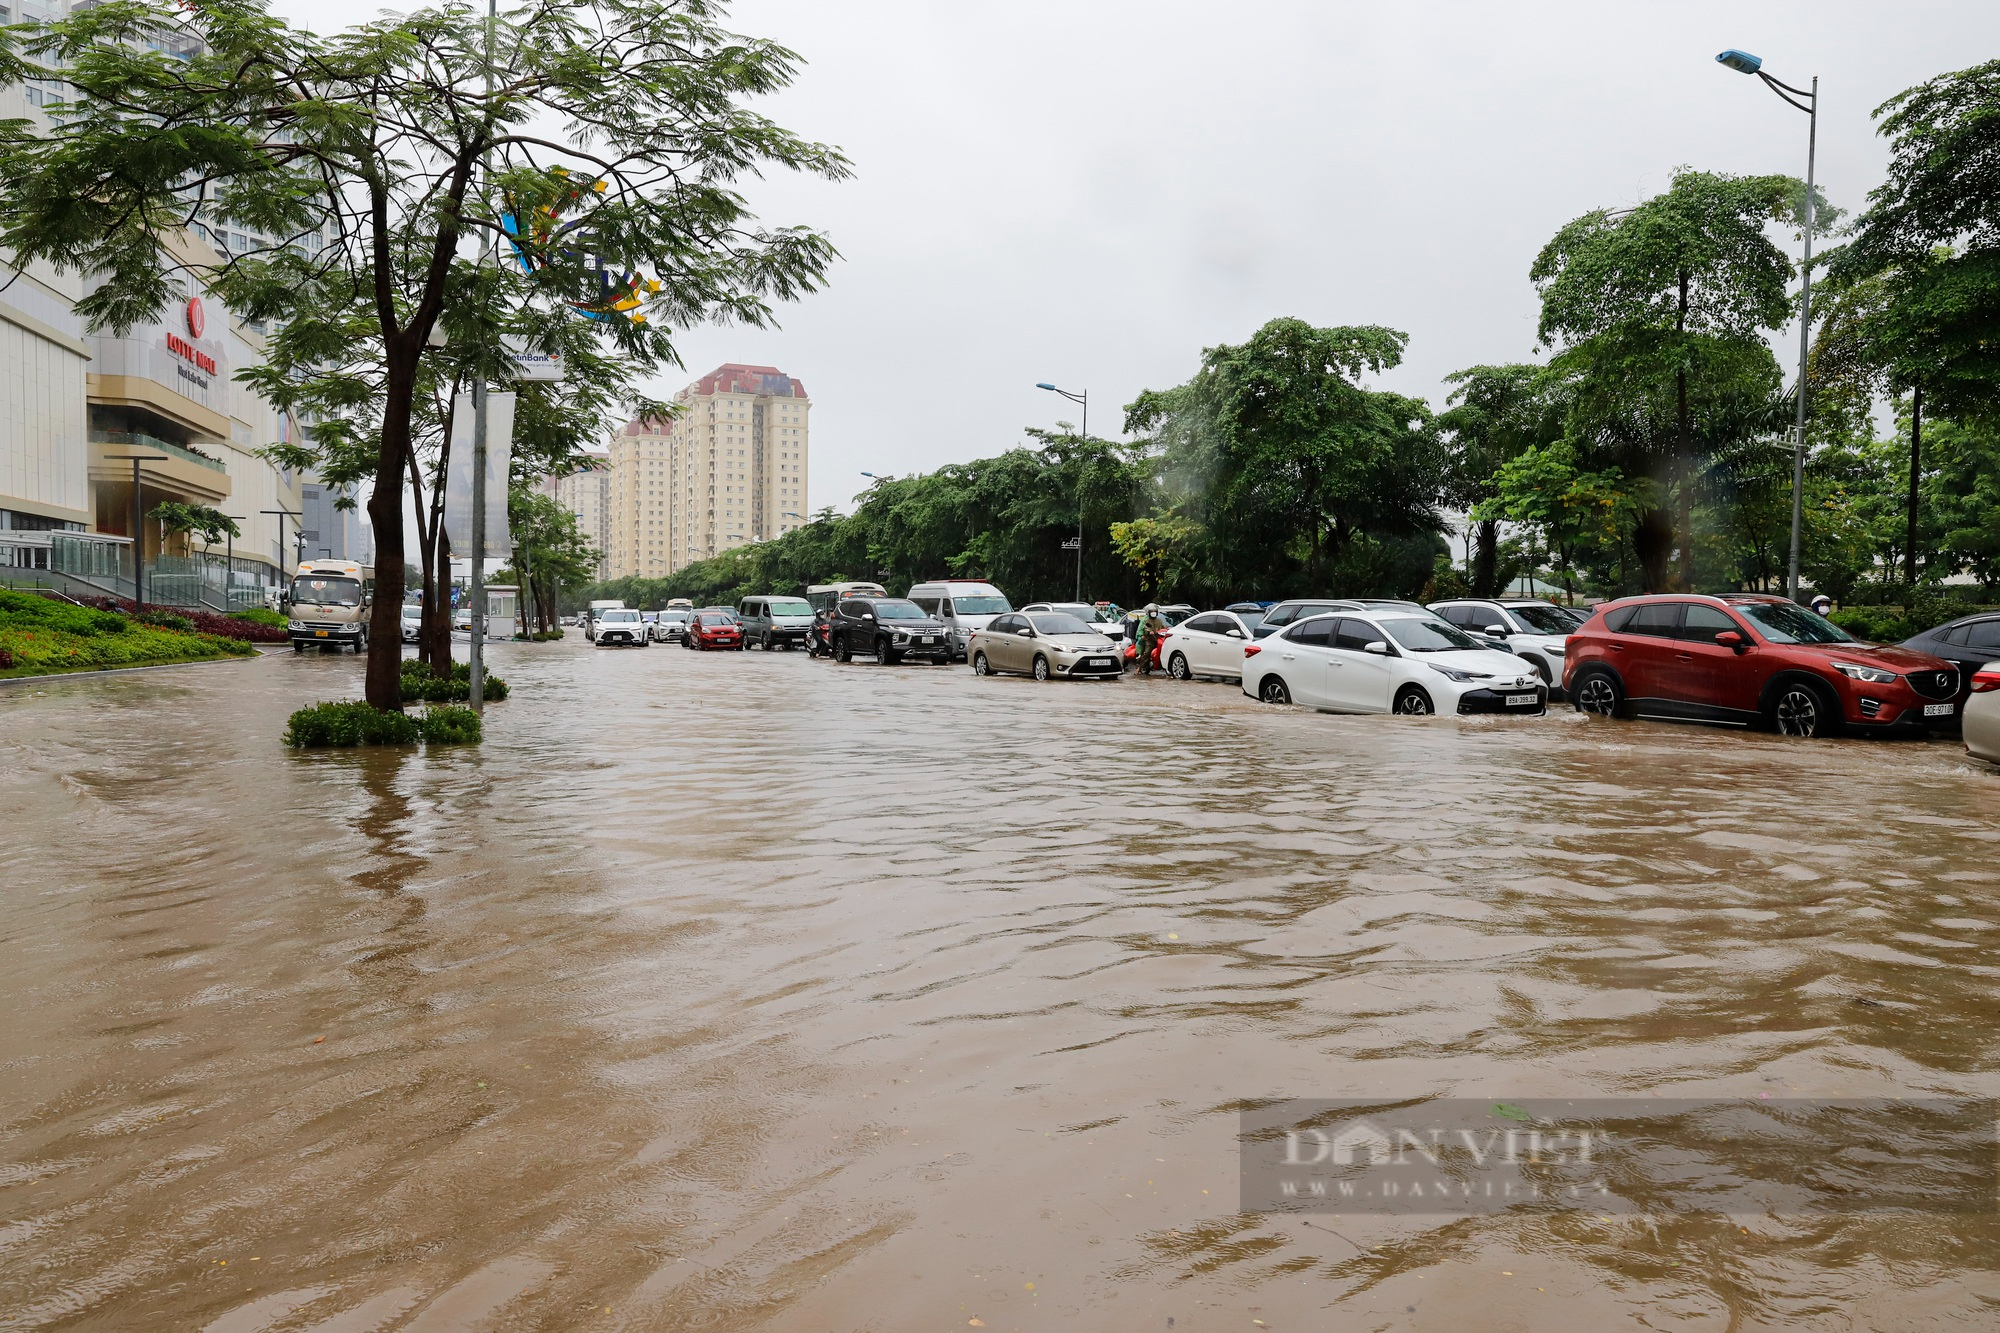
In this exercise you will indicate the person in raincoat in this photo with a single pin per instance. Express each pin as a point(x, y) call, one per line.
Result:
point(1151, 625)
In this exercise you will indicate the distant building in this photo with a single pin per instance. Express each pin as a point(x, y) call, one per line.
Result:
point(727, 470)
point(586, 493)
point(333, 533)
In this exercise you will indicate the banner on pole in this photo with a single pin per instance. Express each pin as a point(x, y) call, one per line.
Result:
point(458, 475)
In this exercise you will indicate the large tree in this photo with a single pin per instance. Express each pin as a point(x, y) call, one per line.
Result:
point(594, 144)
point(1284, 458)
point(1661, 312)
point(1494, 414)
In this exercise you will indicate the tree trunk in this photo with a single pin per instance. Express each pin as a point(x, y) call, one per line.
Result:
point(384, 688)
point(1653, 542)
point(1486, 559)
point(1916, 479)
point(1684, 465)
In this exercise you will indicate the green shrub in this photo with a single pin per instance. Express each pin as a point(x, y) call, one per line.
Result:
point(341, 723)
point(450, 724)
point(258, 615)
point(165, 620)
point(20, 610)
point(1875, 624)
point(420, 683)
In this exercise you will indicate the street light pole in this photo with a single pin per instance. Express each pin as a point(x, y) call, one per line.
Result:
point(476, 652)
point(1083, 400)
point(1745, 63)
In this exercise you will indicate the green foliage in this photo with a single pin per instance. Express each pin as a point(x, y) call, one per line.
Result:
point(1282, 460)
point(211, 525)
point(258, 615)
point(40, 635)
point(420, 682)
point(450, 724)
point(1578, 514)
point(1149, 546)
point(350, 722)
point(165, 620)
point(343, 724)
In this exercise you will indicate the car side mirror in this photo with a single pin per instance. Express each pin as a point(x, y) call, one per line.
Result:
point(1234, 633)
point(867, 615)
point(1729, 638)
point(1025, 633)
point(1500, 630)
point(1379, 648)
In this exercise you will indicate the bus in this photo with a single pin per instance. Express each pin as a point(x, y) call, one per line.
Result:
point(823, 595)
point(327, 605)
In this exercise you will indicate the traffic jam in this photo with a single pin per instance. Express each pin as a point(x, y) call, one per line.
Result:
point(1742, 660)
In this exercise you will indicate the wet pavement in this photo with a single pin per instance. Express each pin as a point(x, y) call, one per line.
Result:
point(738, 991)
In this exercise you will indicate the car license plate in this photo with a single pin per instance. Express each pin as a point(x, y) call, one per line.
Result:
point(1516, 700)
point(320, 633)
point(1938, 710)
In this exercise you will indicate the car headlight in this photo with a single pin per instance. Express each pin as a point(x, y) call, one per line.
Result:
point(295, 624)
point(1873, 675)
point(1452, 673)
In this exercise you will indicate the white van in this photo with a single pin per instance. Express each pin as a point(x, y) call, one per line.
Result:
point(821, 596)
point(964, 605)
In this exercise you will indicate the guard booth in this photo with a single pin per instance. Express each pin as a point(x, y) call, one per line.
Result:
point(503, 610)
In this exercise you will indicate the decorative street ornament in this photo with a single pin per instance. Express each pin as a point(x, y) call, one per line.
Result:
point(542, 236)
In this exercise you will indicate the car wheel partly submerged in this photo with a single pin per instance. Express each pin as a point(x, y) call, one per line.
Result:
point(1272, 691)
point(1177, 667)
point(1411, 701)
point(1799, 709)
point(980, 667)
point(1041, 667)
point(1598, 693)
point(840, 653)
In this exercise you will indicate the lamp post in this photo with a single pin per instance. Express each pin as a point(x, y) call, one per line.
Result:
point(1083, 400)
point(476, 650)
point(138, 537)
point(229, 564)
point(1745, 63)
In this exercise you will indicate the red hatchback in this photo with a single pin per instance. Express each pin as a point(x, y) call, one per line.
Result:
point(1748, 660)
point(713, 629)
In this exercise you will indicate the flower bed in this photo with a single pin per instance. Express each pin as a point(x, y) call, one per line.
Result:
point(266, 627)
point(39, 636)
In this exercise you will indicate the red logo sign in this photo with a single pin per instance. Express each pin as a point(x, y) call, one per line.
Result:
point(197, 318)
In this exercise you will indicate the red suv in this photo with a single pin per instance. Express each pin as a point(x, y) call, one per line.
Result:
point(1746, 660)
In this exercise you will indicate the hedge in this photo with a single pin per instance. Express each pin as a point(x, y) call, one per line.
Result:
point(341, 724)
point(253, 626)
point(420, 682)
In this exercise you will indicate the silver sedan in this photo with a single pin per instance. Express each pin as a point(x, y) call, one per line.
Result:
point(1981, 722)
point(1042, 644)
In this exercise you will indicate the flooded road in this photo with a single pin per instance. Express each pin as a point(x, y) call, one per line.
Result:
point(743, 992)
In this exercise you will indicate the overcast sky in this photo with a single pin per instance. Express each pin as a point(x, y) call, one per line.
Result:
point(1092, 191)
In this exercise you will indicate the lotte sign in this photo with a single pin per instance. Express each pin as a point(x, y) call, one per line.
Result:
point(197, 320)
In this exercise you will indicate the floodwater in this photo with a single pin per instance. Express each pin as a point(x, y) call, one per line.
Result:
point(740, 992)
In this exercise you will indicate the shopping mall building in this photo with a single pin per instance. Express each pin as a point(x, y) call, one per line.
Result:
point(85, 418)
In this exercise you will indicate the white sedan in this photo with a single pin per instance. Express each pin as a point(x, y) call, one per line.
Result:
point(1210, 644)
point(1981, 721)
point(1388, 662)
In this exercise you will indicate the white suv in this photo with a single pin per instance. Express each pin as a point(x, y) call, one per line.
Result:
point(1535, 631)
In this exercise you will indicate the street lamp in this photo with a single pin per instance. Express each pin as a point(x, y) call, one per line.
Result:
point(1745, 63)
point(1083, 400)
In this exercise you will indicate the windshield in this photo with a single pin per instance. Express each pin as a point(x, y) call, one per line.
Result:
point(413, 612)
point(620, 616)
point(1782, 622)
point(715, 618)
point(980, 606)
point(1426, 636)
point(1547, 619)
point(899, 610)
point(673, 617)
point(1058, 622)
point(1250, 619)
point(788, 606)
point(326, 592)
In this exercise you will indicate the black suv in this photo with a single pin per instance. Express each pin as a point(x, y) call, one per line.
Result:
point(1968, 643)
point(891, 628)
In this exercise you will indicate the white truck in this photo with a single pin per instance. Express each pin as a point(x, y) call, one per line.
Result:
point(597, 608)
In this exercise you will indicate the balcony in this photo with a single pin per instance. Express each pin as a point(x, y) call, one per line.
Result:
point(136, 440)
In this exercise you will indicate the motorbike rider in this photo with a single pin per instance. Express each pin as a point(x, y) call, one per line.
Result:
point(1151, 625)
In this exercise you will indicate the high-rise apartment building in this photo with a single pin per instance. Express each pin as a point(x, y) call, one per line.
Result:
point(728, 469)
point(586, 493)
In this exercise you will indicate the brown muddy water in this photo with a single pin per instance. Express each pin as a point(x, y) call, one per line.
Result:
point(744, 992)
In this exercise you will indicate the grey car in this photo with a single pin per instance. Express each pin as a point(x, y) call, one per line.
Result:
point(1045, 645)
